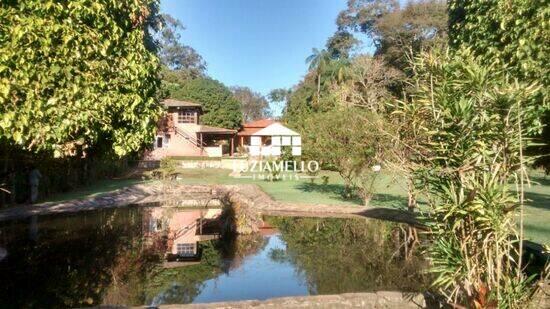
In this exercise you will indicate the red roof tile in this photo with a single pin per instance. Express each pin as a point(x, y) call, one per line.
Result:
point(262, 123)
point(248, 131)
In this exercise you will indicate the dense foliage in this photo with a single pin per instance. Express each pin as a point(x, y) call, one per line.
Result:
point(508, 34)
point(455, 123)
point(77, 73)
point(220, 107)
point(350, 255)
point(396, 31)
point(513, 36)
point(314, 93)
point(254, 106)
point(175, 55)
point(473, 121)
point(348, 141)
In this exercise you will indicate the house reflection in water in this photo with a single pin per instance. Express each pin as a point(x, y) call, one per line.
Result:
point(178, 231)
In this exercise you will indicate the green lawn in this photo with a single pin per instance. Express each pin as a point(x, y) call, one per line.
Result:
point(537, 211)
point(304, 191)
point(95, 189)
point(390, 194)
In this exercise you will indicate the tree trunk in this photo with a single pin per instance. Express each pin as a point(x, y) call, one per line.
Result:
point(367, 199)
point(411, 205)
point(318, 88)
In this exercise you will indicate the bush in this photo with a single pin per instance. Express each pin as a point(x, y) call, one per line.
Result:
point(74, 74)
point(473, 120)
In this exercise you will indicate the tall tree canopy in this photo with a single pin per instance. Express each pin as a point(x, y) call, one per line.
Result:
point(396, 30)
point(74, 73)
point(176, 55)
point(341, 44)
point(253, 105)
point(220, 107)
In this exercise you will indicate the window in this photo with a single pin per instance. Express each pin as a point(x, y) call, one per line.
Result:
point(266, 140)
point(186, 116)
point(286, 141)
point(162, 141)
point(186, 249)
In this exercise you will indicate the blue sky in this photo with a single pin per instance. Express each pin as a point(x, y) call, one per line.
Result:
point(261, 44)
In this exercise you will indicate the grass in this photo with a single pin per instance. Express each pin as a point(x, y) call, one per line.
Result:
point(195, 158)
point(202, 158)
point(537, 209)
point(95, 189)
point(303, 191)
point(391, 193)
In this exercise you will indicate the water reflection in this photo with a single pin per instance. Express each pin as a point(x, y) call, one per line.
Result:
point(154, 255)
point(353, 255)
point(179, 230)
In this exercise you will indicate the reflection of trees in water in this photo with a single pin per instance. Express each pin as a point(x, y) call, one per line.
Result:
point(71, 260)
point(101, 257)
point(235, 249)
point(279, 255)
point(183, 284)
point(349, 255)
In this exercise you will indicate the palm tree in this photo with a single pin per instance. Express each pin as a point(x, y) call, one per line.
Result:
point(317, 61)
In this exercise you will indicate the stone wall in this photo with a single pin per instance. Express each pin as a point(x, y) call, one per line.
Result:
point(375, 300)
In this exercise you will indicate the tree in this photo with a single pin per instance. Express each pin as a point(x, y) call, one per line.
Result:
point(341, 44)
point(315, 92)
point(75, 74)
point(220, 107)
point(513, 36)
point(368, 84)
point(347, 140)
point(253, 105)
point(317, 61)
point(176, 55)
point(396, 31)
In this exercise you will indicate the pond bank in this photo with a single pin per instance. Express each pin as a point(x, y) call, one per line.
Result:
point(209, 195)
point(205, 195)
point(383, 299)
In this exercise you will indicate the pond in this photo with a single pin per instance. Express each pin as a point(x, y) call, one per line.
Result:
point(151, 255)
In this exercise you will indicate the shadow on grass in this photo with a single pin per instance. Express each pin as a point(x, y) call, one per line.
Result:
point(335, 191)
point(390, 201)
point(394, 215)
point(538, 200)
point(540, 180)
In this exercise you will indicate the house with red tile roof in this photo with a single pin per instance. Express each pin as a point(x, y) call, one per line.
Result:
point(268, 138)
point(179, 133)
point(249, 128)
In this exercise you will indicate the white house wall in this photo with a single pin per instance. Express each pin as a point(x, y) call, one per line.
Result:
point(275, 149)
point(286, 141)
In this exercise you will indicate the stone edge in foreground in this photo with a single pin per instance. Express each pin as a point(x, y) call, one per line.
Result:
point(383, 299)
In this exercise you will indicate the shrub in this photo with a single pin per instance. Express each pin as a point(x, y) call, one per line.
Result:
point(473, 122)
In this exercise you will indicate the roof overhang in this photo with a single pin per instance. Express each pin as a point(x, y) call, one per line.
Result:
point(215, 130)
point(276, 129)
point(178, 103)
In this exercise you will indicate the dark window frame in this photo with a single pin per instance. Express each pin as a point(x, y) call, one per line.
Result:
point(186, 116)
